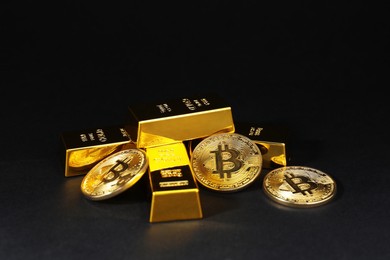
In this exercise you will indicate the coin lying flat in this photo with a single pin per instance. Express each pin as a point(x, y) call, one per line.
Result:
point(114, 174)
point(226, 162)
point(86, 158)
point(299, 186)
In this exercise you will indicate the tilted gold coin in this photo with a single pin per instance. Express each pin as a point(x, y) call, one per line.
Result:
point(86, 158)
point(226, 162)
point(299, 186)
point(114, 174)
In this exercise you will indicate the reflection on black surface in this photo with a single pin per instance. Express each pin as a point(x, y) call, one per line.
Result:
point(122, 206)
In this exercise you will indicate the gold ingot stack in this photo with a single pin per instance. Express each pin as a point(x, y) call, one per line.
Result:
point(161, 128)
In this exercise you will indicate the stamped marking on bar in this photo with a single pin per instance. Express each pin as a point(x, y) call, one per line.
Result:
point(171, 173)
point(173, 183)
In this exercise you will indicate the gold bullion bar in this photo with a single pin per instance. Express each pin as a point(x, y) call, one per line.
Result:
point(176, 120)
point(85, 148)
point(271, 139)
point(175, 194)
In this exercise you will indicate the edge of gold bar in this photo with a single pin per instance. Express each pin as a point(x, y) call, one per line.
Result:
point(175, 193)
point(176, 120)
point(271, 139)
point(85, 148)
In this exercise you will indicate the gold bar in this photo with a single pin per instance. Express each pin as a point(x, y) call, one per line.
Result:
point(271, 139)
point(169, 121)
point(85, 148)
point(175, 194)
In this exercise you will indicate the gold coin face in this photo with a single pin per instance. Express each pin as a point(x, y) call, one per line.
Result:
point(299, 186)
point(114, 174)
point(86, 158)
point(226, 162)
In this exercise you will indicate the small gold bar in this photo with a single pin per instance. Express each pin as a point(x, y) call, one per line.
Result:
point(175, 194)
point(176, 120)
point(85, 148)
point(271, 139)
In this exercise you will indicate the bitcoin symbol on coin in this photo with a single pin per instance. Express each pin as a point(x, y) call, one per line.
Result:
point(226, 162)
point(300, 184)
point(231, 161)
point(114, 174)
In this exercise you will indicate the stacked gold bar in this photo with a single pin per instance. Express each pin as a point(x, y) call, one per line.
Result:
point(178, 120)
point(85, 148)
point(161, 128)
point(271, 140)
point(175, 194)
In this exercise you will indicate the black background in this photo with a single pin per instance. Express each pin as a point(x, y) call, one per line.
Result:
point(320, 69)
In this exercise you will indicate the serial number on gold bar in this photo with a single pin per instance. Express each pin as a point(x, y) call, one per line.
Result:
point(171, 173)
point(173, 184)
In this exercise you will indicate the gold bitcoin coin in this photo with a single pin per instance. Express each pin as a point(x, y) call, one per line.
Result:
point(299, 186)
point(226, 162)
point(114, 174)
point(86, 158)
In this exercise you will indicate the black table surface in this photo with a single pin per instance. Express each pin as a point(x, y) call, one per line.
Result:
point(319, 70)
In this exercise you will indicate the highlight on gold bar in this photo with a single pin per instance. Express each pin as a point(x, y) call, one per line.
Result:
point(85, 148)
point(175, 194)
point(176, 120)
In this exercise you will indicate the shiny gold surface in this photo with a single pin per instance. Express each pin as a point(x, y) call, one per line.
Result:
point(299, 186)
point(86, 147)
point(226, 162)
point(175, 194)
point(167, 156)
point(274, 154)
point(160, 132)
point(114, 174)
point(278, 161)
point(179, 120)
point(85, 158)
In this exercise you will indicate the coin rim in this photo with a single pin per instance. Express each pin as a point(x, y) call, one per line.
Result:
point(231, 189)
point(125, 187)
point(291, 203)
